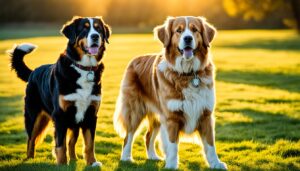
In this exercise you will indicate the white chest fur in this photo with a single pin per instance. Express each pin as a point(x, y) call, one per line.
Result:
point(82, 97)
point(196, 100)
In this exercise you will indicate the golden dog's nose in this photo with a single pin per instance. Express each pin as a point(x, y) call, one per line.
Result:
point(188, 39)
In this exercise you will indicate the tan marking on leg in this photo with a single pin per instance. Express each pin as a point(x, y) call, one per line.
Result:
point(38, 133)
point(89, 152)
point(175, 123)
point(95, 104)
point(64, 104)
point(61, 153)
point(153, 124)
point(61, 157)
point(125, 141)
point(173, 130)
point(72, 142)
point(206, 127)
point(30, 149)
point(148, 137)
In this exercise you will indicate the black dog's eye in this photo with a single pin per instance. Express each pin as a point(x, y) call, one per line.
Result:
point(86, 25)
point(179, 30)
point(96, 25)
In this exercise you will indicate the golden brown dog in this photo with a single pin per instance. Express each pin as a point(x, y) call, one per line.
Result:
point(174, 90)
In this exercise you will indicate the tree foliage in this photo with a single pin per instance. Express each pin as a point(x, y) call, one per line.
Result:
point(142, 13)
point(260, 9)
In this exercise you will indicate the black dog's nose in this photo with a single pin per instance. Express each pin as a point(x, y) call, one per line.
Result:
point(95, 37)
point(188, 39)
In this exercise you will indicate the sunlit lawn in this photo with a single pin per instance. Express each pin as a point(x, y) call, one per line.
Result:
point(258, 104)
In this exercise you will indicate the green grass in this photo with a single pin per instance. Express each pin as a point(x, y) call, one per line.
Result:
point(257, 112)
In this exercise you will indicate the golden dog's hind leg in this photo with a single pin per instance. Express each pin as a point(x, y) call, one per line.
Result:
point(133, 119)
point(151, 135)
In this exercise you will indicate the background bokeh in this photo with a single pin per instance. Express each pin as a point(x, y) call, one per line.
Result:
point(142, 15)
point(257, 57)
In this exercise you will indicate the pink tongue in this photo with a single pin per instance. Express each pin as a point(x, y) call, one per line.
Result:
point(93, 50)
point(188, 53)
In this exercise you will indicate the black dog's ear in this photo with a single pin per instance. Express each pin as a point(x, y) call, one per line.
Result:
point(69, 29)
point(106, 29)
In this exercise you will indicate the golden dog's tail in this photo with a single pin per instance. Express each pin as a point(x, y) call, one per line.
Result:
point(119, 117)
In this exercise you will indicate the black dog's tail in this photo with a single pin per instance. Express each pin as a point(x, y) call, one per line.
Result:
point(17, 54)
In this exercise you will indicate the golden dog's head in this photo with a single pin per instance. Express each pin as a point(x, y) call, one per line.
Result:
point(186, 40)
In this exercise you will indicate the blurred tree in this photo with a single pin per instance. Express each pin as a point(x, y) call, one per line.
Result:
point(296, 10)
point(259, 9)
point(143, 14)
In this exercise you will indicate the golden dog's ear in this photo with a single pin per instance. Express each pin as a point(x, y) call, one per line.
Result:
point(208, 32)
point(163, 32)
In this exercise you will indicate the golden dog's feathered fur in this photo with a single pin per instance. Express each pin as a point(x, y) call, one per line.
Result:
point(158, 87)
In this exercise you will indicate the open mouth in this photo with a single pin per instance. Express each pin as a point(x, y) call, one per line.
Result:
point(187, 52)
point(93, 50)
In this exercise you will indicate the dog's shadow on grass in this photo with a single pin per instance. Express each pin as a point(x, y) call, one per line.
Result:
point(290, 44)
point(147, 165)
point(282, 81)
point(71, 166)
point(104, 148)
point(9, 108)
point(156, 165)
point(45, 166)
point(263, 127)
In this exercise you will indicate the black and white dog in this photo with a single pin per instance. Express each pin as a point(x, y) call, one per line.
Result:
point(67, 92)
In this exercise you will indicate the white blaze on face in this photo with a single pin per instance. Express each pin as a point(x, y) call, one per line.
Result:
point(90, 42)
point(187, 53)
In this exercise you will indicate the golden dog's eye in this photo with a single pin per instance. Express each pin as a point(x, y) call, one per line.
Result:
point(179, 30)
point(194, 29)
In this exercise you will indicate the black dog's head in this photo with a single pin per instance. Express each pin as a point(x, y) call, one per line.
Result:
point(87, 36)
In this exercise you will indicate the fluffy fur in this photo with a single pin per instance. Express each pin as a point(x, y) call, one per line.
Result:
point(61, 91)
point(160, 85)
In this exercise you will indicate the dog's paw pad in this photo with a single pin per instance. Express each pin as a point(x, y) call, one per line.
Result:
point(96, 164)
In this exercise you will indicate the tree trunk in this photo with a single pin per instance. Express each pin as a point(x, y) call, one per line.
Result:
point(296, 11)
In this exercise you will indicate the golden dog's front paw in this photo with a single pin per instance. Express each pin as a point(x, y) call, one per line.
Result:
point(219, 165)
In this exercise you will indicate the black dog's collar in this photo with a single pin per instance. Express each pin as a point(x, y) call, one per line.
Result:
point(85, 68)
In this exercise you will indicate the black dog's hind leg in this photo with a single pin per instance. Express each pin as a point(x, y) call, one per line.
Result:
point(73, 136)
point(36, 119)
